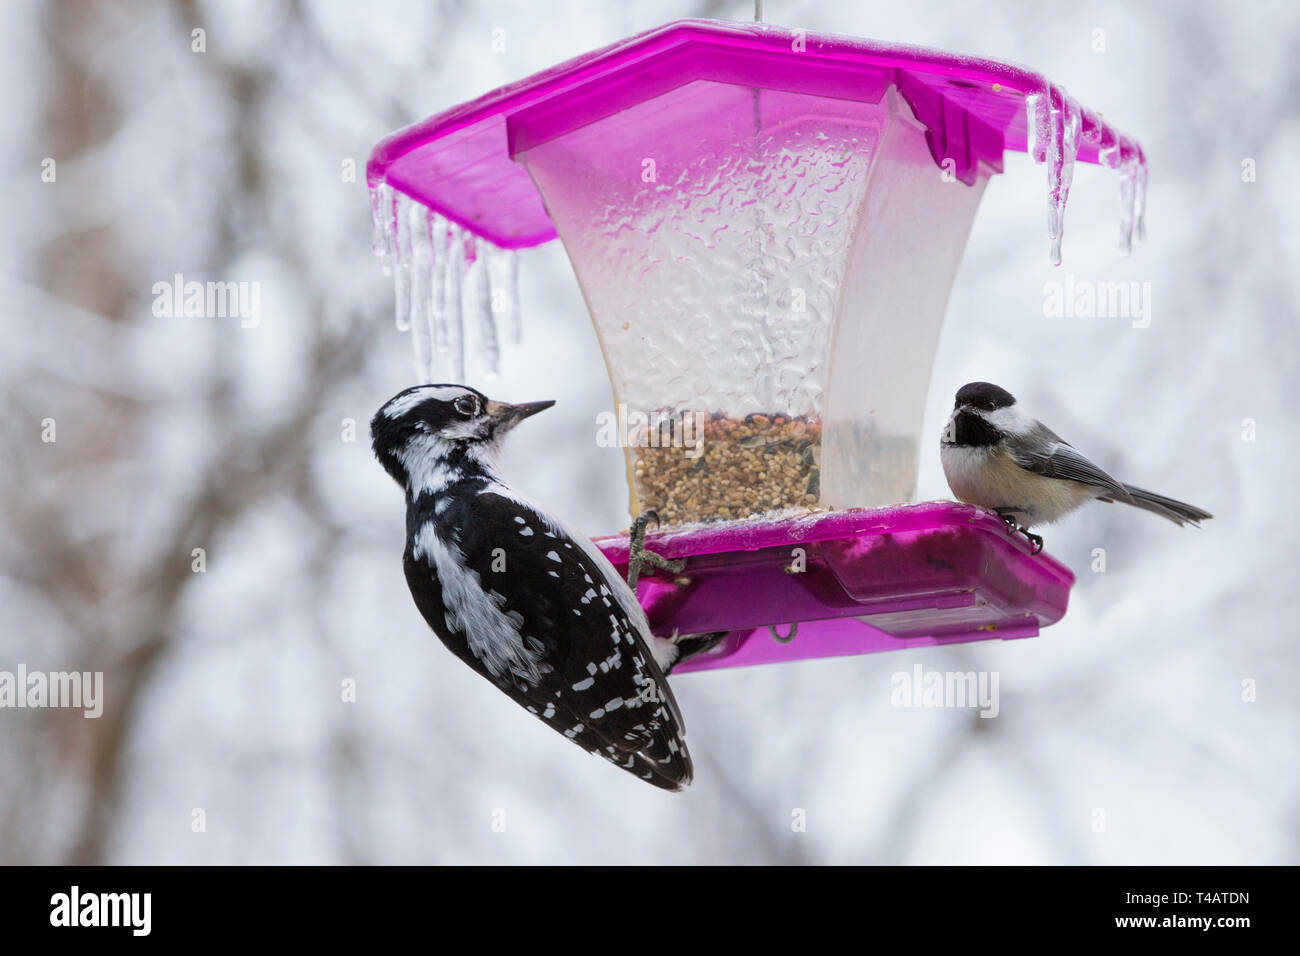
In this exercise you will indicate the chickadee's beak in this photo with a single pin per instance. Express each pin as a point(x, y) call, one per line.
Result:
point(507, 416)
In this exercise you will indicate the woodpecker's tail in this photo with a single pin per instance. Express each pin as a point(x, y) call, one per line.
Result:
point(1179, 512)
point(666, 766)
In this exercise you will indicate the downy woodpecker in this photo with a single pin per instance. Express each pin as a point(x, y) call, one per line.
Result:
point(535, 609)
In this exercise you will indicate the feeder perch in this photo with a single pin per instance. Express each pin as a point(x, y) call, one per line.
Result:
point(765, 224)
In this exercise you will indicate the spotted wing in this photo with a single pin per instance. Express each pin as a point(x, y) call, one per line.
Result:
point(573, 653)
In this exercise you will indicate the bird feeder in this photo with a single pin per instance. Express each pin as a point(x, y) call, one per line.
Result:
point(765, 224)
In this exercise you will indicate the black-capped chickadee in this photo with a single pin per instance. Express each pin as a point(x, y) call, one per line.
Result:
point(997, 457)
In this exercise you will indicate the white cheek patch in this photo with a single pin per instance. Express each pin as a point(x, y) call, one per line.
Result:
point(1009, 420)
point(424, 458)
point(473, 430)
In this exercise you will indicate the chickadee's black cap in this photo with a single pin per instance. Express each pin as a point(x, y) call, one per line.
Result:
point(984, 395)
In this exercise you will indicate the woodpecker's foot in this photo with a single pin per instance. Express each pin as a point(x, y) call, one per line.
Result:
point(638, 557)
point(692, 645)
point(1034, 539)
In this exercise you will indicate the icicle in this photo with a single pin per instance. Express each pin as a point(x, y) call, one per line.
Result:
point(451, 289)
point(402, 263)
point(1073, 124)
point(1126, 159)
point(421, 297)
point(478, 309)
point(503, 266)
point(438, 288)
point(1108, 151)
point(1061, 148)
point(1036, 126)
point(381, 235)
point(1090, 127)
point(1127, 200)
point(1110, 155)
point(1054, 143)
point(1140, 202)
point(455, 318)
point(512, 296)
point(1056, 125)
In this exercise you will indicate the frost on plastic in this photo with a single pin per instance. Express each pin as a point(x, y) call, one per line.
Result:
point(456, 293)
point(1057, 127)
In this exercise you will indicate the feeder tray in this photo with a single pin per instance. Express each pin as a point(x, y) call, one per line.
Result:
point(848, 582)
point(765, 224)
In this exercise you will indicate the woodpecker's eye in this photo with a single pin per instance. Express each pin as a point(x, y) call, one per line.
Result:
point(466, 406)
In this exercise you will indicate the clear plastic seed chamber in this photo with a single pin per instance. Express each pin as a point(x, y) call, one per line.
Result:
point(772, 238)
point(765, 225)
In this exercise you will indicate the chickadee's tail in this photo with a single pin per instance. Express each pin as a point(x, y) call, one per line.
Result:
point(1179, 512)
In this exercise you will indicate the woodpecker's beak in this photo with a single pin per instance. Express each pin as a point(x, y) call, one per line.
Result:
point(507, 416)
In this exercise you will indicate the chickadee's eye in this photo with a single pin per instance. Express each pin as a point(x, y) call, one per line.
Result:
point(465, 405)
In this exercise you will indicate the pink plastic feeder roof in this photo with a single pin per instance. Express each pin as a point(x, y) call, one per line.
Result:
point(459, 163)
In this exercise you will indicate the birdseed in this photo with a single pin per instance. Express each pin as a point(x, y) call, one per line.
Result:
point(748, 467)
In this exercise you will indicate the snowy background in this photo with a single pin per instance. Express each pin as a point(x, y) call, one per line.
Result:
point(1123, 735)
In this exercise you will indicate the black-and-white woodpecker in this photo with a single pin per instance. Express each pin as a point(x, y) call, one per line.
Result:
point(535, 609)
point(997, 457)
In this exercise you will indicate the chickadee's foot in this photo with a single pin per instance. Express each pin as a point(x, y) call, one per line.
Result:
point(1009, 519)
point(638, 557)
point(1008, 515)
point(1035, 539)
